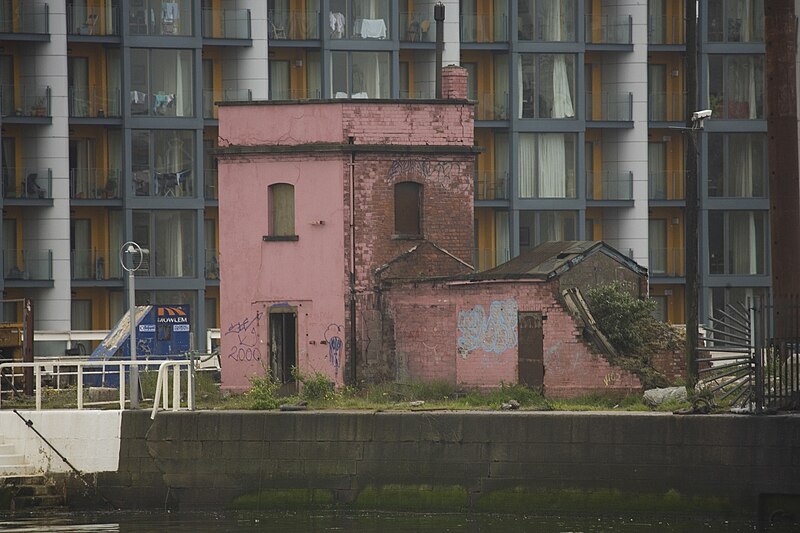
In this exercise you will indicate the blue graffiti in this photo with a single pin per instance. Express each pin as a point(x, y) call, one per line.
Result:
point(495, 333)
point(334, 344)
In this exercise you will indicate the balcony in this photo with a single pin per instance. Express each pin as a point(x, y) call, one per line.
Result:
point(25, 265)
point(607, 29)
point(294, 94)
point(491, 185)
point(492, 106)
point(226, 24)
point(103, 23)
point(210, 184)
point(666, 30)
point(666, 185)
point(666, 262)
point(417, 28)
point(666, 107)
point(418, 94)
point(484, 29)
point(228, 95)
point(27, 184)
point(25, 101)
point(93, 102)
point(609, 107)
point(212, 263)
point(95, 265)
point(28, 18)
point(94, 184)
point(609, 185)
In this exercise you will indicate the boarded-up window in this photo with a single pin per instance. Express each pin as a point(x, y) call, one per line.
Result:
point(281, 210)
point(408, 208)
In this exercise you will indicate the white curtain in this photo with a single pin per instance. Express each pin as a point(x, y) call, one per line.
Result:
point(552, 171)
point(527, 164)
point(501, 87)
point(172, 249)
point(742, 77)
point(562, 97)
point(742, 226)
point(740, 149)
point(520, 85)
point(502, 251)
point(279, 80)
point(550, 19)
point(183, 85)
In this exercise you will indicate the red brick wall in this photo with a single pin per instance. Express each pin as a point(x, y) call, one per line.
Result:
point(571, 367)
point(454, 83)
point(420, 124)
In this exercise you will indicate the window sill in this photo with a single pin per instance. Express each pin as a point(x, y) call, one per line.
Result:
point(273, 238)
point(406, 237)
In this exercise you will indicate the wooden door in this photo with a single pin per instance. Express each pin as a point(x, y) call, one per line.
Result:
point(531, 350)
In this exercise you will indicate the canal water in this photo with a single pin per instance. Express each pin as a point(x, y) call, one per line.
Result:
point(361, 522)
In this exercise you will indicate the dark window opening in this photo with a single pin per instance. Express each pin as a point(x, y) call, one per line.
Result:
point(408, 209)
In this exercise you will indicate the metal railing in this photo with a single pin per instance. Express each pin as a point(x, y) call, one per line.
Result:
point(666, 107)
point(94, 183)
point(226, 24)
point(294, 94)
point(666, 185)
point(609, 185)
point(211, 184)
point(492, 106)
point(483, 28)
point(30, 17)
point(94, 102)
point(541, 29)
point(607, 106)
point(25, 264)
point(162, 386)
point(666, 262)
point(27, 183)
point(666, 30)
point(94, 264)
point(226, 95)
point(609, 29)
point(25, 100)
point(293, 25)
point(491, 185)
point(82, 21)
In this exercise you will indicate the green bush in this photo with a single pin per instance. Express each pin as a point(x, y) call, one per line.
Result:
point(625, 320)
point(315, 388)
point(263, 393)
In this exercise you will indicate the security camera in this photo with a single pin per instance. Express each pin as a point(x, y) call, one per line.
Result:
point(700, 115)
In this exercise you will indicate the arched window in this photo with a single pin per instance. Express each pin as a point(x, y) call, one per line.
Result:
point(408, 209)
point(281, 210)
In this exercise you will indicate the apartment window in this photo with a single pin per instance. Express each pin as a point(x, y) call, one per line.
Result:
point(281, 210)
point(660, 308)
point(358, 19)
point(546, 20)
point(735, 21)
point(162, 162)
point(81, 315)
point(547, 165)
point(657, 242)
point(537, 227)
point(359, 74)
point(155, 17)
point(548, 85)
point(161, 83)
point(737, 165)
point(408, 209)
point(172, 240)
point(736, 241)
point(736, 86)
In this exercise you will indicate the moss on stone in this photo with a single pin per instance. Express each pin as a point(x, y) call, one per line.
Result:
point(527, 500)
point(413, 497)
point(283, 499)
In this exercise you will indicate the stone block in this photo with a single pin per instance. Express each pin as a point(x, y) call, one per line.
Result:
point(253, 427)
point(279, 426)
point(208, 425)
point(230, 426)
point(338, 450)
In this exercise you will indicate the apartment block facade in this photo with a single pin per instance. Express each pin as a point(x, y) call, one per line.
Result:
point(108, 117)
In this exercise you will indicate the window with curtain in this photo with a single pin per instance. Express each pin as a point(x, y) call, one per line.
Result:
point(502, 239)
point(358, 19)
point(81, 314)
point(158, 17)
point(537, 227)
point(171, 237)
point(546, 20)
point(657, 244)
point(359, 74)
point(162, 82)
point(737, 165)
point(737, 242)
point(657, 91)
point(736, 21)
point(279, 80)
point(656, 21)
point(78, 81)
point(736, 86)
point(408, 209)
point(657, 170)
point(281, 210)
point(162, 162)
point(80, 233)
point(547, 165)
point(546, 85)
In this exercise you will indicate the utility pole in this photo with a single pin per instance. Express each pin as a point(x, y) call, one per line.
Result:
point(692, 205)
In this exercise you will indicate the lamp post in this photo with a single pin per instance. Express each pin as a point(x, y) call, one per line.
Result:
point(131, 249)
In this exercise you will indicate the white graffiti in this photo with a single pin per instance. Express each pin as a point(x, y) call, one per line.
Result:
point(495, 333)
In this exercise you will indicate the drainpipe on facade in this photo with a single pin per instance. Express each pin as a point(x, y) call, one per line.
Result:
point(352, 354)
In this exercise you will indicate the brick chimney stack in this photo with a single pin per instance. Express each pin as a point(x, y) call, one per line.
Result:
point(454, 83)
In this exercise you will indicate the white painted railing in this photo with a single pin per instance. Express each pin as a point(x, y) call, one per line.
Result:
point(162, 386)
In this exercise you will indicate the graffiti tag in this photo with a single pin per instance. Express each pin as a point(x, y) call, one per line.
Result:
point(334, 344)
point(440, 171)
point(494, 333)
point(245, 339)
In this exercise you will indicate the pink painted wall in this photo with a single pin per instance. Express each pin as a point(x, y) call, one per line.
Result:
point(282, 124)
point(308, 274)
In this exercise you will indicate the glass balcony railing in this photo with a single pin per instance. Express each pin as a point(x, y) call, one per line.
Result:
point(27, 183)
point(94, 183)
point(491, 185)
point(26, 264)
point(228, 95)
point(294, 94)
point(611, 107)
point(666, 185)
point(666, 30)
point(417, 28)
point(608, 29)
point(83, 21)
point(666, 262)
point(492, 106)
point(226, 24)
point(293, 25)
point(418, 94)
point(28, 17)
point(25, 101)
point(95, 265)
point(93, 102)
point(486, 258)
point(212, 263)
point(669, 107)
point(210, 184)
point(609, 186)
point(484, 29)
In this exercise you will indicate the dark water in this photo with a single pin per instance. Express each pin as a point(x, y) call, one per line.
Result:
point(355, 521)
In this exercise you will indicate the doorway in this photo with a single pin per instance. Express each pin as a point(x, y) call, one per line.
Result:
point(531, 350)
point(283, 345)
